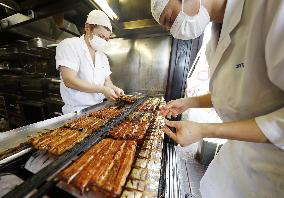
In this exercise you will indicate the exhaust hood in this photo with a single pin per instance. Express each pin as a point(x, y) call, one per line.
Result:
point(45, 28)
point(59, 19)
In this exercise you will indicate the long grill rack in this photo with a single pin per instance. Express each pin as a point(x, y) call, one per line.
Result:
point(39, 178)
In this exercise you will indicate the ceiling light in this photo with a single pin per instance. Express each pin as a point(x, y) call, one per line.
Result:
point(105, 7)
point(7, 6)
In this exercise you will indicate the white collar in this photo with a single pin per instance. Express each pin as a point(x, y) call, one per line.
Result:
point(83, 43)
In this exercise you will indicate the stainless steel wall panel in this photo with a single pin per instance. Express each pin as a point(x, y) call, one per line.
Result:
point(140, 64)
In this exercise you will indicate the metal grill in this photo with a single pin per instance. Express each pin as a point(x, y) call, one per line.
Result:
point(36, 180)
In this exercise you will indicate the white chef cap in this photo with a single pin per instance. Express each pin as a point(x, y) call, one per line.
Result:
point(98, 17)
point(157, 7)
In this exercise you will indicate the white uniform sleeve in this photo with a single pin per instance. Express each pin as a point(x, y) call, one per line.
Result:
point(274, 47)
point(107, 67)
point(272, 125)
point(66, 55)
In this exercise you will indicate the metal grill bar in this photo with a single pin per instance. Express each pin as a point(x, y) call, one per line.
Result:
point(41, 192)
point(162, 181)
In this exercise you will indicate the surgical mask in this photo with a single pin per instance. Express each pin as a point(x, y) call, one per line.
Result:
point(190, 27)
point(98, 43)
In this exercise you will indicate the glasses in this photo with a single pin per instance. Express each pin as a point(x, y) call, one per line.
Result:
point(101, 35)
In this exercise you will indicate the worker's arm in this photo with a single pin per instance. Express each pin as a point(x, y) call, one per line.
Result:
point(116, 89)
point(188, 132)
point(175, 107)
point(71, 80)
point(203, 101)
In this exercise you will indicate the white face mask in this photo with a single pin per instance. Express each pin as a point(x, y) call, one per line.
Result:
point(190, 27)
point(98, 43)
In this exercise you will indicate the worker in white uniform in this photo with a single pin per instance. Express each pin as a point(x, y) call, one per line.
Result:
point(84, 68)
point(246, 62)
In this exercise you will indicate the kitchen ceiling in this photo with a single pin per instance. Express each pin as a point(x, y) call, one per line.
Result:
point(69, 16)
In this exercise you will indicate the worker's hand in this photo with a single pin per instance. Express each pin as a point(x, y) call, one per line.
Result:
point(118, 91)
point(187, 132)
point(109, 93)
point(174, 107)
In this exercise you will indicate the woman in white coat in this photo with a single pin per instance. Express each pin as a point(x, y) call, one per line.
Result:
point(246, 63)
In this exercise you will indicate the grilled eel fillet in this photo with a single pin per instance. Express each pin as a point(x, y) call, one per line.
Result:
point(149, 105)
point(62, 139)
point(86, 122)
point(103, 168)
point(59, 140)
point(128, 98)
point(107, 113)
point(129, 130)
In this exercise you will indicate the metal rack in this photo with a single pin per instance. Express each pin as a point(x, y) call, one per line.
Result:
point(3, 115)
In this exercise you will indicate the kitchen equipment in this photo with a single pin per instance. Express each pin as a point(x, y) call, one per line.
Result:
point(41, 176)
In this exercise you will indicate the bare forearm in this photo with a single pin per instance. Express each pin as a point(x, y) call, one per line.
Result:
point(109, 83)
point(83, 86)
point(203, 101)
point(246, 130)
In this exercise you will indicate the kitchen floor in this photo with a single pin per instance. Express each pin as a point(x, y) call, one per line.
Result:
point(191, 173)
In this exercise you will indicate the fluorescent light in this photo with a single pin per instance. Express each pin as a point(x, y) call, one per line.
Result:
point(7, 6)
point(105, 7)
